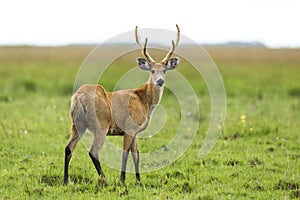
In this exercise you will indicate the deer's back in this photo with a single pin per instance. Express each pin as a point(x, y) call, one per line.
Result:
point(116, 112)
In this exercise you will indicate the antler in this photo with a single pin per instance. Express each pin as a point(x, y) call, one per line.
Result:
point(145, 52)
point(174, 45)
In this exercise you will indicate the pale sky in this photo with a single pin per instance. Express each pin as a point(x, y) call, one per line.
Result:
point(275, 23)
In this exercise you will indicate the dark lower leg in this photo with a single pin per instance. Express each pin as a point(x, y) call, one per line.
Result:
point(124, 163)
point(68, 155)
point(97, 164)
point(69, 149)
point(136, 160)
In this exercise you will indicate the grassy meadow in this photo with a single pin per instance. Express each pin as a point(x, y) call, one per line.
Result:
point(256, 157)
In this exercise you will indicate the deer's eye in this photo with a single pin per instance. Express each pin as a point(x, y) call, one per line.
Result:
point(164, 71)
point(152, 71)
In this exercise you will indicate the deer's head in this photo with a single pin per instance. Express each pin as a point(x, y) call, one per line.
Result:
point(157, 69)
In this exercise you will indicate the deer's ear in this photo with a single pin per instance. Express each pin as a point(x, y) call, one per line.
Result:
point(172, 63)
point(143, 64)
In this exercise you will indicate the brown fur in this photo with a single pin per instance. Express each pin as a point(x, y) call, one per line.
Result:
point(124, 112)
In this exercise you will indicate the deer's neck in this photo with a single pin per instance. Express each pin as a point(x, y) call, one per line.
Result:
point(150, 94)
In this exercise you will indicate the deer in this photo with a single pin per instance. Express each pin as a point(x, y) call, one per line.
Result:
point(119, 113)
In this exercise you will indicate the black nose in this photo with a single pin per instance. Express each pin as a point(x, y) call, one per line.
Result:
point(160, 82)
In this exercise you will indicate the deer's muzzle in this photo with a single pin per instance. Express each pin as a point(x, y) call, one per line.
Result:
point(160, 82)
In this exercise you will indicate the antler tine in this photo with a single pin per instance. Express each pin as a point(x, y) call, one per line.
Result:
point(137, 37)
point(169, 54)
point(145, 52)
point(178, 35)
point(174, 45)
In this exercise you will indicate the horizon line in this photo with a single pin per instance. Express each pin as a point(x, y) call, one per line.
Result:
point(209, 44)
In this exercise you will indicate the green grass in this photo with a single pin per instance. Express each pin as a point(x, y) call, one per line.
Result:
point(255, 158)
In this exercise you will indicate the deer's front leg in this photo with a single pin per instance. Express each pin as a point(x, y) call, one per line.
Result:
point(126, 147)
point(124, 162)
point(136, 158)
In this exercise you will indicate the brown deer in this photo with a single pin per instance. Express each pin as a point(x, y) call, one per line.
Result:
point(124, 112)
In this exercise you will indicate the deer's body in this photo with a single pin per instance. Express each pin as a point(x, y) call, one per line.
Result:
point(94, 108)
point(124, 112)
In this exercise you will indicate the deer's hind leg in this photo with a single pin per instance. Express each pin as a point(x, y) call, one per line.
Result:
point(99, 138)
point(76, 132)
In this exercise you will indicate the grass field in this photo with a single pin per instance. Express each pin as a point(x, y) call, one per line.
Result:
point(256, 157)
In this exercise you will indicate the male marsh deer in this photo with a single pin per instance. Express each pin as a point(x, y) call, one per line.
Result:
point(124, 112)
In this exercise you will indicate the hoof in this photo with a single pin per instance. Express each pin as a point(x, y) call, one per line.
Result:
point(102, 181)
point(138, 183)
